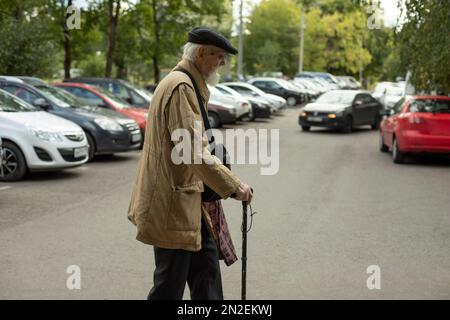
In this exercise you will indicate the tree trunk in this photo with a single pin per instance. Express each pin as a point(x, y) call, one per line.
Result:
point(122, 71)
point(155, 69)
point(113, 22)
point(67, 46)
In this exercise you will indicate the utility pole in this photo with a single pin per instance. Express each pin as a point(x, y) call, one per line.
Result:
point(241, 41)
point(302, 36)
point(360, 61)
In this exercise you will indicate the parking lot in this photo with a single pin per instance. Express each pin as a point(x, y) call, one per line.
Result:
point(337, 206)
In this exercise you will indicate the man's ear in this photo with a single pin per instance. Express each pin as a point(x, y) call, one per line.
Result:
point(201, 52)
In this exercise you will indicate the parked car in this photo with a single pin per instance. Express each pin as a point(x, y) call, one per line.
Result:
point(220, 113)
point(416, 124)
point(280, 88)
point(349, 82)
point(247, 90)
point(98, 97)
point(341, 109)
point(391, 95)
point(105, 135)
point(309, 94)
point(311, 85)
point(260, 108)
point(328, 77)
point(380, 88)
point(243, 107)
point(122, 89)
point(34, 140)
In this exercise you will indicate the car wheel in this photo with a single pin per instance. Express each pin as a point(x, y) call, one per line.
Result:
point(13, 166)
point(348, 125)
point(306, 128)
point(376, 124)
point(92, 147)
point(397, 155)
point(291, 101)
point(383, 147)
point(214, 120)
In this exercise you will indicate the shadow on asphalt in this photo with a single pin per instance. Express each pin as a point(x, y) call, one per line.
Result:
point(326, 131)
point(52, 175)
point(110, 158)
point(427, 160)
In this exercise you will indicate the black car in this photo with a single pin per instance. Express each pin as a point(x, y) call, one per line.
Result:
point(341, 109)
point(281, 88)
point(106, 133)
point(122, 89)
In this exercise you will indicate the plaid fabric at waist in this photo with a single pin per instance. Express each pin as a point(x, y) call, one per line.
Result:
point(222, 236)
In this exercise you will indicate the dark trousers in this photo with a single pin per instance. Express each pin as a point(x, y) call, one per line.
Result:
point(201, 270)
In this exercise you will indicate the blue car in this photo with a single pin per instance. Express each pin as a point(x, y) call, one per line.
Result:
point(107, 132)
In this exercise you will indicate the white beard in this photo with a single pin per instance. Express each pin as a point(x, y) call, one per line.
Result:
point(213, 78)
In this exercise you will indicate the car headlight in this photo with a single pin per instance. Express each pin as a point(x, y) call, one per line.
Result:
point(108, 124)
point(46, 135)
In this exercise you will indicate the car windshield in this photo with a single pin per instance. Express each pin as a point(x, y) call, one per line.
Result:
point(392, 91)
point(9, 103)
point(430, 105)
point(120, 103)
point(146, 94)
point(61, 95)
point(256, 90)
point(51, 96)
point(342, 97)
point(214, 91)
point(288, 85)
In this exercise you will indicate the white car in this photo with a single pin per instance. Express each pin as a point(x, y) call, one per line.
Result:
point(35, 140)
point(391, 95)
point(247, 90)
point(242, 106)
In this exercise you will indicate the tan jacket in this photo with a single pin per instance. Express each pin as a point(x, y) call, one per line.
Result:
point(166, 200)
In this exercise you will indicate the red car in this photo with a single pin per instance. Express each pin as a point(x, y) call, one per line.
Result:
point(98, 97)
point(416, 124)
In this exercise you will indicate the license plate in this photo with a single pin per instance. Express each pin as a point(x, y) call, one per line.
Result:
point(135, 137)
point(315, 119)
point(80, 152)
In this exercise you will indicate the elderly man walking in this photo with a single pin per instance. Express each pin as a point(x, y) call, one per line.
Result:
point(166, 204)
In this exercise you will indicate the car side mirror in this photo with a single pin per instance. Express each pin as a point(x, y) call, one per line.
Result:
point(129, 100)
point(41, 103)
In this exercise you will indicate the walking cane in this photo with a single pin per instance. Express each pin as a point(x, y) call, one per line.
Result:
point(244, 250)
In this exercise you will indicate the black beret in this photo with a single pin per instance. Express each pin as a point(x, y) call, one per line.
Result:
point(202, 35)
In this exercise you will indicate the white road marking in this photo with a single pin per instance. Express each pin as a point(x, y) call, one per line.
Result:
point(5, 188)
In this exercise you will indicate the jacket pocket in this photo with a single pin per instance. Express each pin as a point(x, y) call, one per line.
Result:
point(185, 207)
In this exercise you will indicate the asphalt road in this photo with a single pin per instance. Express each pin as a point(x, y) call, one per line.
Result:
point(336, 206)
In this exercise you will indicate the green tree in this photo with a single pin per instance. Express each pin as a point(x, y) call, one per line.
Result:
point(424, 44)
point(27, 45)
point(162, 26)
point(273, 22)
point(334, 37)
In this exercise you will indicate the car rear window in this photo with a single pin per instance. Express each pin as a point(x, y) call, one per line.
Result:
point(430, 105)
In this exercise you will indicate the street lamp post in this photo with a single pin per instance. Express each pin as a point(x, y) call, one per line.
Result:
point(241, 41)
point(302, 36)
